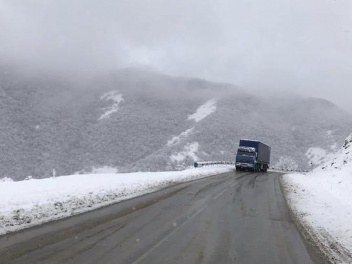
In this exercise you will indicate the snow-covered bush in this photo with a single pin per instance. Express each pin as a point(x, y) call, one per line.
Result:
point(5, 179)
point(286, 163)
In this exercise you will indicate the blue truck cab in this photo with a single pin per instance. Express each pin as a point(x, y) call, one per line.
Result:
point(253, 155)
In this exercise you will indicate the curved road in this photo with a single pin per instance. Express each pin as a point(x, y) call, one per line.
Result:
point(228, 218)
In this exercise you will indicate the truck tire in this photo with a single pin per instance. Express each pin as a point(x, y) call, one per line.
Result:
point(265, 168)
point(256, 168)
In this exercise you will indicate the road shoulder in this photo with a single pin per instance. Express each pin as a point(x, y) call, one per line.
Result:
point(323, 249)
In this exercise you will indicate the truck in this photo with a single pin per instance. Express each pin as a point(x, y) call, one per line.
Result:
point(253, 155)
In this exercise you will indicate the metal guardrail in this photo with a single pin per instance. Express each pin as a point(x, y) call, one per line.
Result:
point(287, 170)
point(211, 163)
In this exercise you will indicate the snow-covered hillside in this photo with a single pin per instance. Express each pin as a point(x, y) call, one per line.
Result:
point(317, 155)
point(32, 202)
point(322, 201)
point(135, 120)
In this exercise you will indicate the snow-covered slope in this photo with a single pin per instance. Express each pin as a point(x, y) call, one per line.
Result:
point(189, 151)
point(116, 98)
point(32, 202)
point(322, 201)
point(177, 139)
point(317, 155)
point(204, 110)
point(342, 159)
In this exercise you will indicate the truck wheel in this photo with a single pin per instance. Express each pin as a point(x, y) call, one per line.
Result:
point(265, 168)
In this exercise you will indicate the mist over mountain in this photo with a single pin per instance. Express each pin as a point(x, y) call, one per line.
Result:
point(135, 120)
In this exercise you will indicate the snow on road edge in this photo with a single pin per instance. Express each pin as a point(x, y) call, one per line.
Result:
point(28, 203)
point(321, 202)
point(323, 212)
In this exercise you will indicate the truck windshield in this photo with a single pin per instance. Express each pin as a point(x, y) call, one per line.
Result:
point(244, 153)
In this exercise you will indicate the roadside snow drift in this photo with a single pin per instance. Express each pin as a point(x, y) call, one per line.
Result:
point(322, 201)
point(32, 202)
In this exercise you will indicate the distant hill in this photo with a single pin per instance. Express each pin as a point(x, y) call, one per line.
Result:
point(137, 120)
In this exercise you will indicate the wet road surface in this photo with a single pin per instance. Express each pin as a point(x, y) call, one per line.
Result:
point(237, 217)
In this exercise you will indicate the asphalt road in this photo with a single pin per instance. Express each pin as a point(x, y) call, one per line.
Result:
point(228, 218)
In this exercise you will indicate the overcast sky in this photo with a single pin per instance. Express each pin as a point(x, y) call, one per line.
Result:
point(303, 46)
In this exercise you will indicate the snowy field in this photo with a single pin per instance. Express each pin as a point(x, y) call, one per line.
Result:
point(322, 201)
point(32, 202)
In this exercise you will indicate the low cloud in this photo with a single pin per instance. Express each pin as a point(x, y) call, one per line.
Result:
point(276, 46)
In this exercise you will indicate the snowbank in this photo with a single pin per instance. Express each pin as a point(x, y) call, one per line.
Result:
point(322, 202)
point(28, 203)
